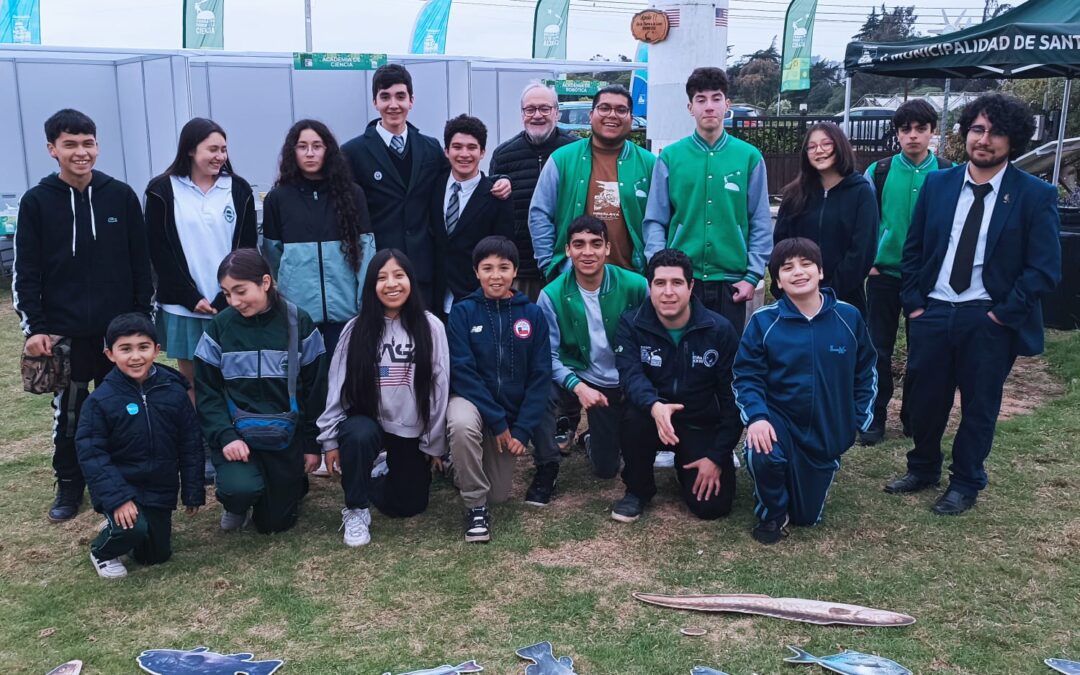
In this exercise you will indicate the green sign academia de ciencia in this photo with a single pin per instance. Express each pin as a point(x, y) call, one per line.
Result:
point(337, 61)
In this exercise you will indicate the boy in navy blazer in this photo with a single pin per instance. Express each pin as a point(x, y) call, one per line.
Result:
point(981, 252)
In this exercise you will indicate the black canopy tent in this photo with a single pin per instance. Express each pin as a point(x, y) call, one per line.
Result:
point(1040, 38)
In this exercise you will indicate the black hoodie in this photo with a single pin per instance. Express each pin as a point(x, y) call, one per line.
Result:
point(843, 221)
point(81, 258)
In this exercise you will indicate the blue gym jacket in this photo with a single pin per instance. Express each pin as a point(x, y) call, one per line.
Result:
point(500, 361)
point(815, 376)
point(141, 443)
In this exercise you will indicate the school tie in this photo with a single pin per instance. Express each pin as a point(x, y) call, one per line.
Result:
point(964, 260)
point(397, 144)
point(452, 209)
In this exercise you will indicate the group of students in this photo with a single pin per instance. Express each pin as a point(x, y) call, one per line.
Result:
point(376, 331)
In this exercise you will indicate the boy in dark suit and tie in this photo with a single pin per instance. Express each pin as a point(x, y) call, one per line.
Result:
point(981, 251)
point(463, 211)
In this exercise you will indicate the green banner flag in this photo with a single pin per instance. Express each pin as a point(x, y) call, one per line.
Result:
point(798, 30)
point(549, 29)
point(204, 22)
point(337, 61)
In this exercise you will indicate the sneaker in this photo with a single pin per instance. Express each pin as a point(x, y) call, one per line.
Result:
point(356, 522)
point(542, 488)
point(69, 496)
point(322, 470)
point(108, 569)
point(770, 531)
point(232, 521)
point(665, 459)
point(585, 441)
point(380, 467)
point(628, 509)
point(477, 525)
point(564, 436)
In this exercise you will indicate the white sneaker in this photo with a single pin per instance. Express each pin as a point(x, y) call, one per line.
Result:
point(108, 569)
point(380, 468)
point(355, 522)
point(665, 459)
point(232, 521)
point(322, 470)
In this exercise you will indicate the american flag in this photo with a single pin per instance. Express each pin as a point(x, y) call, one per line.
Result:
point(721, 17)
point(395, 375)
point(672, 17)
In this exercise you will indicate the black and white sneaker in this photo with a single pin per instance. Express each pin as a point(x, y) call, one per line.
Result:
point(628, 509)
point(770, 532)
point(477, 526)
point(542, 488)
point(564, 436)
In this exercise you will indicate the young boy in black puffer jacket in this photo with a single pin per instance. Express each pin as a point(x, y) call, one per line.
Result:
point(138, 443)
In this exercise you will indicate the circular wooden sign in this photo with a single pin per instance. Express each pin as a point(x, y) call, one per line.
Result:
point(650, 26)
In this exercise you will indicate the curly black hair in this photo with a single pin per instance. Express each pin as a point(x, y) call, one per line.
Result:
point(465, 124)
point(1010, 117)
point(339, 183)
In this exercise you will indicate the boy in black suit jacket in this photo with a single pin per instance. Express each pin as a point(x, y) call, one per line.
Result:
point(464, 211)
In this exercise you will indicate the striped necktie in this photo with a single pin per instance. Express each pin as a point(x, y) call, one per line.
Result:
point(452, 208)
point(397, 144)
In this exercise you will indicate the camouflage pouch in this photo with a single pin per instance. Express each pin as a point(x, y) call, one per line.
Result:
point(48, 374)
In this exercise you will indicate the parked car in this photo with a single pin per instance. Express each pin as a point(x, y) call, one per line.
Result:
point(574, 116)
point(742, 115)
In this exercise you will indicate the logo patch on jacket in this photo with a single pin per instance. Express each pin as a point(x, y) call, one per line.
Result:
point(838, 349)
point(113, 219)
point(708, 359)
point(477, 329)
point(377, 175)
point(651, 356)
point(522, 329)
point(230, 213)
point(133, 408)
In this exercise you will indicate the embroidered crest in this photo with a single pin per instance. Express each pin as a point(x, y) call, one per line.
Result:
point(230, 213)
point(378, 175)
point(708, 359)
point(522, 329)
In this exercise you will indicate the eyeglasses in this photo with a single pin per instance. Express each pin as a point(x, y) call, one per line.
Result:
point(606, 109)
point(978, 131)
point(824, 146)
point(314, 148)
point(542, 109)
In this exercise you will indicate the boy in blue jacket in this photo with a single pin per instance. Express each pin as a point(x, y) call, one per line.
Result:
point(138, 443)
point(804, 382)
point(500, 383)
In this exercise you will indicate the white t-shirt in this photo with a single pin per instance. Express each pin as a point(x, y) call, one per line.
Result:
point(601, 370)
point(205, 225)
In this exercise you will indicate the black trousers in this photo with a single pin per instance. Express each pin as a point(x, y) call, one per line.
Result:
point(604, 445)
point(956, 346)
point(716, 295)
point(88, 364)
point(883, 321)
point(641, 442)
point(403, 491)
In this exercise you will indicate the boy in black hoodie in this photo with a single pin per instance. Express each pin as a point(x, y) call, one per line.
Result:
point(138, 442)
point(81, 259)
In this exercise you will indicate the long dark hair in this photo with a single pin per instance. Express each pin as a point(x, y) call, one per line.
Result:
point(360, 390)
point(796, 194)
point(339, 183)
point(194, 132)
point(247, 264)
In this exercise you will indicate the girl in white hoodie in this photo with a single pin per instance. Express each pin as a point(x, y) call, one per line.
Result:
point(388, 388)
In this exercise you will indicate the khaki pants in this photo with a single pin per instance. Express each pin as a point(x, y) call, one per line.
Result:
point(482, 473)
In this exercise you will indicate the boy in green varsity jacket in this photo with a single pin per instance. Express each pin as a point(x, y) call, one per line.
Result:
point(606, 176)
point(897, 182)
point(582, 307)
point(710, 199)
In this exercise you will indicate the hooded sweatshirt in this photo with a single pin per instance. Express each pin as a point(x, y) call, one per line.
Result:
point(843, 221)
point(81, 258)
point(398, 412)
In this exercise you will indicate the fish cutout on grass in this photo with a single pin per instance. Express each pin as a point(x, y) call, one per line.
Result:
point(850, 662)
point(1063, 666)
point(702, 670)
point(69, 668)
point(467, 667)
point(544, 662)
point(792, 609)
point(202, 661)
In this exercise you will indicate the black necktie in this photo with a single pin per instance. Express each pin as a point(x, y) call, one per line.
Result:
point(964, 260)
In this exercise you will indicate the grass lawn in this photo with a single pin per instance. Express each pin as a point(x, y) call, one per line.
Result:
point(994, 591)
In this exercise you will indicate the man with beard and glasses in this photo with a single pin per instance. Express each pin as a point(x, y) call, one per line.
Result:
point(521, 158)
point(981, 251)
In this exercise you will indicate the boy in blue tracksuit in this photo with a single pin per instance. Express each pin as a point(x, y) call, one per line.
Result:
point(500, 383)
point(804, 382)
point(138, 443)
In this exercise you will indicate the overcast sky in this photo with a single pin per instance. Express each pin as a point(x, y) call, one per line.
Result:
point(499, 28)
